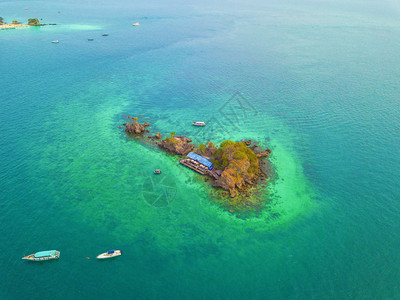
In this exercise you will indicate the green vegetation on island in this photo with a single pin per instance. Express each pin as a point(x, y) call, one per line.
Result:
point(1, 20)
point(34, 22)
point(240, 165)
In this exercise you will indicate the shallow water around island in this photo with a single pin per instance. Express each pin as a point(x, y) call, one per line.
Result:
point(316, 83)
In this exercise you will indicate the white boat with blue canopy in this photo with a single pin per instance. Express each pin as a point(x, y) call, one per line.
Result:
point(198, 123)
point(109, 254)
point(43, 255)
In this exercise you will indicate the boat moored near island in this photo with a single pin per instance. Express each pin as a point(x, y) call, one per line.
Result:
point(109, 254)
point(199, 123)
point(43, 255)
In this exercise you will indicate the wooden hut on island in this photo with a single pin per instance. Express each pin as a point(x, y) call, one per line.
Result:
point(198, 163)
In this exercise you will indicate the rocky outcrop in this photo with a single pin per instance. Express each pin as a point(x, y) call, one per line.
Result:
point(247, 142)
point(134, 127)
point(155, 137)
point(184, 139)
point(177, 145)
point(262, 154)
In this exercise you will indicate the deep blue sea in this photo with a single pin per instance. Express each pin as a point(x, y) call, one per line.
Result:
point(315, 81)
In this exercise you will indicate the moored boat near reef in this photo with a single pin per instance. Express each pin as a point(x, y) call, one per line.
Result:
point(43, 255)
point(109, 254)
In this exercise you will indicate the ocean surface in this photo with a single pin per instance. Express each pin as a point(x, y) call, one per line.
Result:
point(315, 81)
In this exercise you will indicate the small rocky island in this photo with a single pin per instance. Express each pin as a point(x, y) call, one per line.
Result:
point(237, 166)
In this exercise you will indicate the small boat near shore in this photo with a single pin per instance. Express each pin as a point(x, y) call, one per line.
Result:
point(43, 255)
point(158, 171)
point(199, 123)
point(136, 24)
point(109, 254)
point(55, 42)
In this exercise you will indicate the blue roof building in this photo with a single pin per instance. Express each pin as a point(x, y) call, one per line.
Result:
point(201, 159)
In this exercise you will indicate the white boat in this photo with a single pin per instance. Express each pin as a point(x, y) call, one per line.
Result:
point(136, 24)
point(43, 255)
point(109, 254)
point(55, 42)
point(199, 123)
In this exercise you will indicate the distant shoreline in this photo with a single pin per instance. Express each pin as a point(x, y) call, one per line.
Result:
point(12, 26)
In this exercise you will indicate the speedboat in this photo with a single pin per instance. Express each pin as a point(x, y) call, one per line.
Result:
point(109, 254)
point(105, 34)
point(55, 42)
point(136, 24)
point(43, 255)
point(90, 39)
point(158, 171)
point(199, 123)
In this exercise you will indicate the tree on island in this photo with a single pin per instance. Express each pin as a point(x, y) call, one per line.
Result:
point(239, 166)
point(15, 22)
point(33, 22)
point(1, 20)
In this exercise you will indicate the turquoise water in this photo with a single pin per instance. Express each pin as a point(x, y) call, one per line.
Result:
point(317, 82)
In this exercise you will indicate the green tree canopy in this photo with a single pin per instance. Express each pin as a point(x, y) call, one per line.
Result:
point(33, 22)
point(1, 20)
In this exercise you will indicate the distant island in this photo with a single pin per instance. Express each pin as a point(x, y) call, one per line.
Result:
point(34, 22)
point(15, 24)
point(235, 167)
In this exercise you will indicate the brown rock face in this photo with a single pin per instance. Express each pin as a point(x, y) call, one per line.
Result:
point(247, 142)
point(158, 136)
point(184, 139)
point(134, 128)
point(177, 145)
point(228, 181)
point(263, 154)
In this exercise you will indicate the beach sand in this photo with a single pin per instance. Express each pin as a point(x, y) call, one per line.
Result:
point(12, 26)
